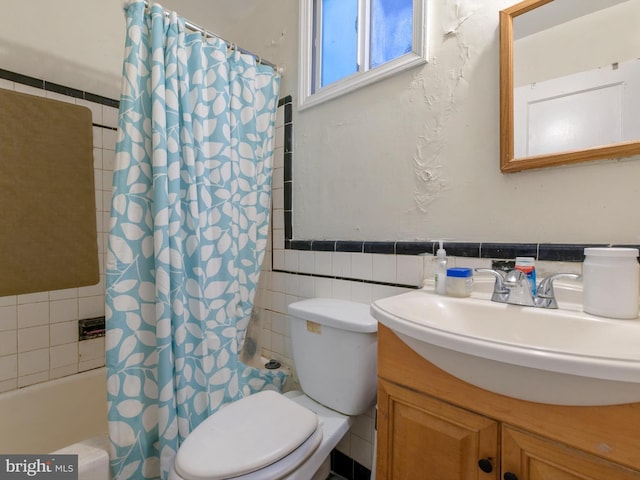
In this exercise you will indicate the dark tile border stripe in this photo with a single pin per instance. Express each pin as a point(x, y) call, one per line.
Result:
point(54, 87)
point(553, 252)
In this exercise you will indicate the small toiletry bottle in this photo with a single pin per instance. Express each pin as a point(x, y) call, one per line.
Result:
point(527, 265)
point(441, 271)
point(459, 282)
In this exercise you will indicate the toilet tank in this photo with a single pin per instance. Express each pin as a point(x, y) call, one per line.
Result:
point(335, 352)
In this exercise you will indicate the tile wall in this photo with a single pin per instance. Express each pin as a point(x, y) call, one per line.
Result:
point(39, 331)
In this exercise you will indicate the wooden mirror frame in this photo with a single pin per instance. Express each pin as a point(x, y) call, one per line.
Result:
point(510, 164)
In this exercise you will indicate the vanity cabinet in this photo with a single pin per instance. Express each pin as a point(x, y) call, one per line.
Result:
point(433, 426)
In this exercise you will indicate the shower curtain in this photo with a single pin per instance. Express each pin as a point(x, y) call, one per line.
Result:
point(188, 231)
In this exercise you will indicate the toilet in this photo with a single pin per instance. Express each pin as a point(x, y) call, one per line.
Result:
point(269, 435)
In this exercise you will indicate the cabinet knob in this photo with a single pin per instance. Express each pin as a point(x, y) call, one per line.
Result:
point(485, 465)
point(510, 476)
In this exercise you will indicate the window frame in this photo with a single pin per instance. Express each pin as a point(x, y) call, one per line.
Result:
point(308, 73)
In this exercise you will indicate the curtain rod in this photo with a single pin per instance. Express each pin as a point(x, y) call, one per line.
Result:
point(207, 33)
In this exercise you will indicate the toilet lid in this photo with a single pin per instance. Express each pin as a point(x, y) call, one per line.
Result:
point(245, 436)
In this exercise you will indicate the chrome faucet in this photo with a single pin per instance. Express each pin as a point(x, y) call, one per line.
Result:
point(513, 287)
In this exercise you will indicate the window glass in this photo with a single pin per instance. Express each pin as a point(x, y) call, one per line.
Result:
point(391, 30)
point(339, 40)
point(347, 44)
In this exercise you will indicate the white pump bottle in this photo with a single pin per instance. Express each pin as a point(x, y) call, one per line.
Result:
point(441, 270)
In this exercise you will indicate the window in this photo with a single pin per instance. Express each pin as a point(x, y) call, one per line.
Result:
point(346, 44)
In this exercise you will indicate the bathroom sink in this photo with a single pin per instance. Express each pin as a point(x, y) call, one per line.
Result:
point(562, 357)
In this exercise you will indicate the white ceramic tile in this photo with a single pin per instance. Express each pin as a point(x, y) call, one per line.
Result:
point(33, 338)
point(361, 451)
point(108, 160)
point(278, 323)
point(97, 160)
point(292, 286)
point(277, 343)
point(8, 301)
point(33, 298)
point(8, 318)
point(59, 97)
point(363, 427)
point(277, 197)
point(8, 385)
point(344, 445)
point(107, 180)
point(279, 137)
point(65, 332)
point(278, 302)
point(306, 261)
point(8, 367)
point(266, 339)
point(8, 343)
point(409, 270)
point(323, 263)
point(97, 137)
point(83, 366)
point(384, 268)
point(36, 92)
point(341, 264)
point(90, 307)
point(63, 371)
point(98, 196)
point(362, 266)
point(63, 310)
point(26, 380)
point(278, 238)
point(382, 291)
point(277, 219)
point(278, 157)
point(62, 355)
point(279, 116)
point(33, 314)
point(33, 362)
point(109, 138)
point(361, 292)
point(278, 259)
point(306, 286)
point(278, 282)
point(291, 260)
point(341, 289)
point(278, 177)
point(109, 116)
point(323, 287)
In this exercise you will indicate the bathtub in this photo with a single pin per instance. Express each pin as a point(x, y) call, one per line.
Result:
point(63, 416)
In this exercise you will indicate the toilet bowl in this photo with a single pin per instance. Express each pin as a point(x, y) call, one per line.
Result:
point(270, 436)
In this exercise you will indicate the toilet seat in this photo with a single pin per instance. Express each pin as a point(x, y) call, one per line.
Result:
point(259, 433)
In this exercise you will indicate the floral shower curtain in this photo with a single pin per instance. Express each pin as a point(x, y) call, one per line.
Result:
point(189, 222)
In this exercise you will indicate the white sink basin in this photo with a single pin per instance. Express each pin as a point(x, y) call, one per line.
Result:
point(563, 357)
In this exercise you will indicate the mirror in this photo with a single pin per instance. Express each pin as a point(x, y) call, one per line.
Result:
point(569, 82)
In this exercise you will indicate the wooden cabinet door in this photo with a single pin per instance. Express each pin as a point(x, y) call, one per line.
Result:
point(530, 457)
point(421, 438)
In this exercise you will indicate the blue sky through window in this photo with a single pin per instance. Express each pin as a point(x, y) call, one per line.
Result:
point(391, 30)
point(391, 33)
point(339, 39)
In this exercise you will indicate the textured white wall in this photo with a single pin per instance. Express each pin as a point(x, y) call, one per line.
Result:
point(416, 157)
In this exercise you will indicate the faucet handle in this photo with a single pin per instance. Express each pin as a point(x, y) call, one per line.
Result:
point(500, 290)
point(545, 289)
